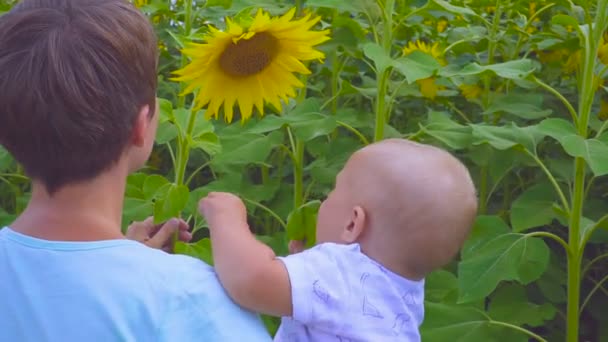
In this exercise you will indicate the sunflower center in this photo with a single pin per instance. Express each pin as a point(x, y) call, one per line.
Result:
point(249, 56)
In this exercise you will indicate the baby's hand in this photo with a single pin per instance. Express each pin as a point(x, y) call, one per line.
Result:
point(223, 209)
point(296, 246)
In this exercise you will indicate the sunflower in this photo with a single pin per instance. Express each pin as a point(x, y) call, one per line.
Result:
point(428, 87)
point(251, 65)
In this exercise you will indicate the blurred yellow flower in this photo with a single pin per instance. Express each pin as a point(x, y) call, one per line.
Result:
point(602, 52)
point(533, 26)
point(248, 66)
point(603, 112)
point(574, 60)
point(552, 56)
point(140, 3)
point(428, 87)
point(470, 91)
point(442, 24)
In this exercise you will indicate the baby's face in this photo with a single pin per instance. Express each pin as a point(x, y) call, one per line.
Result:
point(335, 212)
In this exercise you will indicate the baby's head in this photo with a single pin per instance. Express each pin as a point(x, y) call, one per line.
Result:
point(410, 206)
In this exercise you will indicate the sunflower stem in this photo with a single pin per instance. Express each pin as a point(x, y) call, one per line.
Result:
point(298, 174)
point(387, 43)
point(586, 97)
point(181, 102)
point(380, 106)
point(183, 153)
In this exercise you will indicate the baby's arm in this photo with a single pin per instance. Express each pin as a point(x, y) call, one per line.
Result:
point(248, 269)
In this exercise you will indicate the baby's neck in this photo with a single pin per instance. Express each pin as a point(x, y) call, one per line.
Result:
point(390, 261)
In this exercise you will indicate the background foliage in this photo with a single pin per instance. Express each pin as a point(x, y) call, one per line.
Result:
point(515, 89)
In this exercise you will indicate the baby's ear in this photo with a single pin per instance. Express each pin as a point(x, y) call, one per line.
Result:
point(356, 225)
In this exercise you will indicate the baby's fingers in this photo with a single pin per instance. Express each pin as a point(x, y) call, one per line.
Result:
point(296, 246)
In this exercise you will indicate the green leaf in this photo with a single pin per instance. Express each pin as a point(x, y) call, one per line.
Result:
point(455, 9)
point(378, 55)
point(506, 257)
point(533, 208)
point(302, 223)
point(135, 184)
point(355, 6)
point(170, 206)
point(166, 110)
point(305, 120)
point(6, 160)
point(513, 70)
point(152, 184)
point(201, 250)
point(564, 20)
point(510, 304)
point(222, 3)
point(276, 241)
point(595, 152)
point(526, 106)
point(136, 209)
point(315, 128)
point(556, 128)
point(506, 137)
point(416, 65)
point(240, 184)
point(553, 282)
point(450, 133)
point(166, 132)
point(484, 229)
point(441, 286)
point(6, 218)
point(459, 323)
point(247, 148)
point(208, 142)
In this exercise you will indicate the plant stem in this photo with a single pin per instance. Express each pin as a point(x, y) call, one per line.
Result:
point(335, 75)
point(586, 96)
point(268, 210)
point(554, 237)
point(354, 131)
point(561, 97)
point(590, 295)
point(552, 179)
point(574, 261)
point(184, 149)
point(380, 106)
point(382, 80)
point(187, 30)
point(593, 261)
point(515, 327)
point(483, 190)
point(298, 175)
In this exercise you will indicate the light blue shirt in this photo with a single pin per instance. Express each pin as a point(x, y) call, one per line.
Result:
point(341, 295)
point(114, 290)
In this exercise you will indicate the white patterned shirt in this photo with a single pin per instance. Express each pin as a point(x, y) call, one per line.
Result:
point(339, 294)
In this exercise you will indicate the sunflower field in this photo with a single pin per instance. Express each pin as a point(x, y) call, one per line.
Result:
point(268, 98)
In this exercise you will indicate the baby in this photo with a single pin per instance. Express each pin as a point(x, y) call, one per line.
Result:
point(399, 210)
